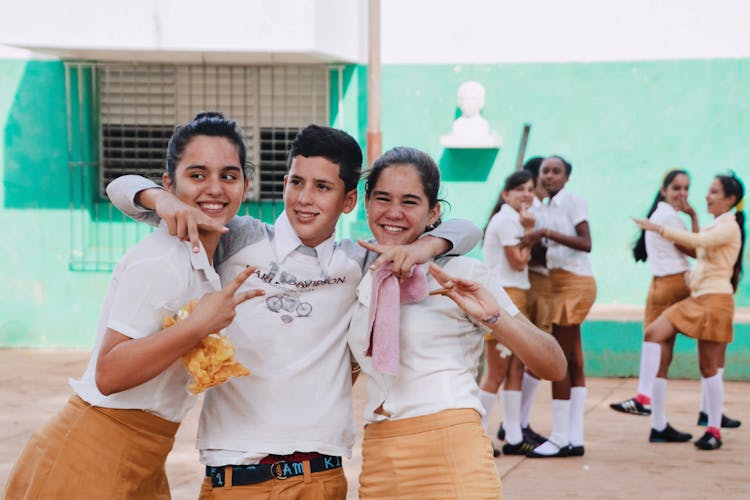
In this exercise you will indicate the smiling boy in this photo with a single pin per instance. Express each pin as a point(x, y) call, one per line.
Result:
point(284, 429)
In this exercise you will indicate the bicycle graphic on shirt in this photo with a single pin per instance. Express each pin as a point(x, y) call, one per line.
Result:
point(290, 304)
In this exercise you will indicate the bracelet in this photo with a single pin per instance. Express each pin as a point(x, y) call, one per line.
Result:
point(491, 319)
point(356, 369)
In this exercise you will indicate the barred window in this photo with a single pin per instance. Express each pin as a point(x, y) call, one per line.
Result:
point(139, 104)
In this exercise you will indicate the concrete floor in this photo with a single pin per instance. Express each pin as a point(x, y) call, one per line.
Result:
point(619, 461)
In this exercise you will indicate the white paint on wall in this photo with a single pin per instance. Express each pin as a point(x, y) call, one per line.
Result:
point(505, 31)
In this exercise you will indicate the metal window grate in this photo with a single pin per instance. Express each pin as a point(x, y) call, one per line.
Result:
point(121, 115)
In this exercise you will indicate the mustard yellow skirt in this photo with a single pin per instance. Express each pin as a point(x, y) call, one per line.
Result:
point(91, 452)
point(663, 292)
point(441, 455)
point(572, 297)
point(539, 298)
point(707, 317)
point(519, 299)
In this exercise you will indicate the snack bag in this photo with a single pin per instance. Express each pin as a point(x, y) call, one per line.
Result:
point(211, 362)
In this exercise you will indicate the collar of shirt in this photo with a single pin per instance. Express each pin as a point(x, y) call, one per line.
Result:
point(199, 261)
point(287, 241)
point(507, 209)
point(559, 198)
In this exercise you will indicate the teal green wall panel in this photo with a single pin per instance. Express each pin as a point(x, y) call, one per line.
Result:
point(35, 139)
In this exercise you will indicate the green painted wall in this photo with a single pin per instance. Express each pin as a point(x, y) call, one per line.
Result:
point(621, 125)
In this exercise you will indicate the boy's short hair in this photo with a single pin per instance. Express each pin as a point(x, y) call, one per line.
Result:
point(334, 145)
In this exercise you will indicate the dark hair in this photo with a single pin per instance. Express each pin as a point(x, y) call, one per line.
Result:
point(208, 123)
point(335, 146)
point(429, 173)
point(532, 165)
point(511, 182)
point(568, 166)
point(639, 249)
point(733, 186)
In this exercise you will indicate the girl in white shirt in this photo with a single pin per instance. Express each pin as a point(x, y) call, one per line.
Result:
point(573, 293)
point(425, 438)
point(509, 221)
point(112, 438)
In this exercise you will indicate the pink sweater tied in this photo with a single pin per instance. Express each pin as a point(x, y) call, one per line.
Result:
point(386, 298)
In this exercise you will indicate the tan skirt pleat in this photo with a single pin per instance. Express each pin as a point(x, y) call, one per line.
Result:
point(663, 292)
point(538, 301)
point(572, 297)
point(442, 455)
point(91, 452)
point(707, 317)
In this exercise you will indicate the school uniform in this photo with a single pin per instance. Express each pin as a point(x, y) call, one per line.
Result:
point(668, 265)
point(116, 446)
point(504, 230)
point(572, 284)
point(298, 398)
point(708, 313)
point(432, 443)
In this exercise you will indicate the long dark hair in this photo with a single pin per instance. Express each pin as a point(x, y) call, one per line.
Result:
point(639, 249)
point(511, 182)
point(733, 186)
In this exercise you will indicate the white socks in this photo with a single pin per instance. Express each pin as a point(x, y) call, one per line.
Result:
point(511, 401)
point(560, 426)
point(528, 390)
point(658, 412)
point(650, 361)
point(714, 398)
point(577, 410)
point(704, 403)
point(488, 401)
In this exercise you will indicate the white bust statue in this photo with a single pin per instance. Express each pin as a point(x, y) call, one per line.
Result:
point(470, 130)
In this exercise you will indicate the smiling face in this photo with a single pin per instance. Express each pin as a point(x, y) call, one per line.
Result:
point(398, 210)
point(315, 197)
point(520, 197)
point(677, 191)
point(553, 175)
point(209, 176)
point(717, 202)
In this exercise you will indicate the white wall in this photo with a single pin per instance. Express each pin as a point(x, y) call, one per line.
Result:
point(215, 30)
point(495, 31)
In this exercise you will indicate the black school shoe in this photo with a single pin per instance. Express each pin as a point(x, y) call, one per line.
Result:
point(669, 435)
point(708, 442)
point(631, 406)
point(495, 452)
point(561, 452)
point(527, 433)
point(575, 451)
point(726, 422)
point(520, 448)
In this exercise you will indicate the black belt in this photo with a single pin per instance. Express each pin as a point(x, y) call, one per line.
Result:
point(252, 474)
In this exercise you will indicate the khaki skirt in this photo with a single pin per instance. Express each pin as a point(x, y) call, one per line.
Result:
point(663, 292)
point(538, 301)
point(91, 452)
point(441, 455)
point(518, 297)
point(572, 297)
point(707, 317)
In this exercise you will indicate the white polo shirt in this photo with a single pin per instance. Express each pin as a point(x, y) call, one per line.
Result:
point(563, 213)
point(439, 348)
point(664, 258)
point(504, 230)
point(153, 280)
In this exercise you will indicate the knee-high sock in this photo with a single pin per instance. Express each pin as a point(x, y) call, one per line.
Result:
point(577, 411)
point(560, 424)
point(658, 412)
point(650, 361)
point(528, 390)
point(488, 401)
point(511, 401)
point(714, 399)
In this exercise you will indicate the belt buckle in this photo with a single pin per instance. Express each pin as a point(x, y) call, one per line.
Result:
point(281, 476)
